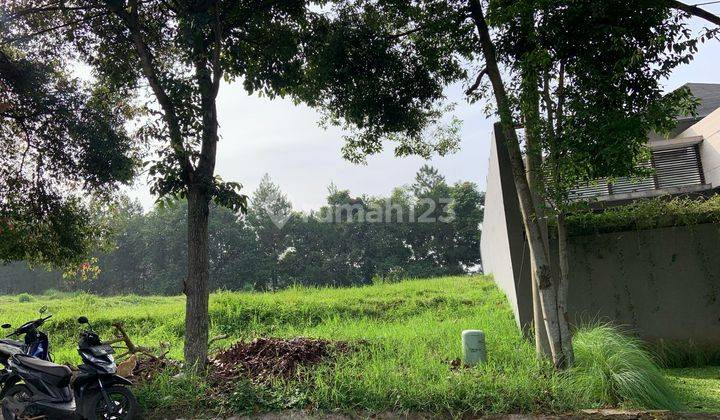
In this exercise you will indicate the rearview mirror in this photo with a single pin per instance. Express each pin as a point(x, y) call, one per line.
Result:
point(6, 326)
point(42, 309)
point(83, 320)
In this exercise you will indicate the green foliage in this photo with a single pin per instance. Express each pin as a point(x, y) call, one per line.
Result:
point(170, 394)
point(25, 297)
point(407, 333)
point(343, 63)
point(612, 367)
point(274, 247)
point(646, 214)
point(586, 78)
point(59, 138)
point(63, 235)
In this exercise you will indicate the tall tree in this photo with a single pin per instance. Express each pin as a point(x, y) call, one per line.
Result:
point(463, 30)
point(599, 92)
point(59, 139)
point(179, 51)
point(146, 251)
point(269, 211)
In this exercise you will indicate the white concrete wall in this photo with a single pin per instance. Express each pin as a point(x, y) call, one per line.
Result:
point(709, 129)
point(504, 253)
point(494, 245)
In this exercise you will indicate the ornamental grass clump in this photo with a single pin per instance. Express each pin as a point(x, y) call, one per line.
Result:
point(613, 368)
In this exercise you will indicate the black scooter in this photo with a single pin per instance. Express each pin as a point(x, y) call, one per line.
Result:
point(35, 343)
point(41, 389)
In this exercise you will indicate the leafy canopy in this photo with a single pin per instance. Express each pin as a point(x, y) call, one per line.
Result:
point(593, 71)
point(58, 137)
point(339, 57)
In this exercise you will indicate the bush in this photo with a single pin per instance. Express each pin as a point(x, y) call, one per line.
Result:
point(25, 297)
point(612, 367)
point(647, 214)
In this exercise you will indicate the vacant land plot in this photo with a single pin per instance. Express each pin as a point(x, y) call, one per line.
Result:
point(404, 342)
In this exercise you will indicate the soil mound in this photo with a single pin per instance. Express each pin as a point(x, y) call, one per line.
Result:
point(265, 358)
point(147, 369)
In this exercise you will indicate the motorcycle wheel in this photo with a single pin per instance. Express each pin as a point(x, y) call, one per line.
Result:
point(15, 392)
point(124, 405)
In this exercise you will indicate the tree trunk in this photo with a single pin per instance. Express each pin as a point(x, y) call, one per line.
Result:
point(530, 105)
point(534, 159)
point(197, 318)
point(563, 288)
point(538, 252)
point(555, 131)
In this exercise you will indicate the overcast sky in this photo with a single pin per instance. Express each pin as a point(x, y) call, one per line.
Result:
point(261, 136)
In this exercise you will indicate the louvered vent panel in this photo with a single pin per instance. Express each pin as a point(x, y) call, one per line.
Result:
point(630, 185)
point(590, 190)
point(633, 184)
point(678, 167)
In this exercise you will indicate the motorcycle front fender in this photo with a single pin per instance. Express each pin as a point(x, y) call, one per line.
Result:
point(115, 380)
point(87, 386)
point(120, 380)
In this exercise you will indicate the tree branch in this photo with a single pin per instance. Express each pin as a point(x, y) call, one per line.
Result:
point(217, 45)
point(208, 150)
point(695, 11)
point(208, 73)
point(478, 80)
point(549, 106)
point(146, 59)
point(53, 28)
point(559, 112)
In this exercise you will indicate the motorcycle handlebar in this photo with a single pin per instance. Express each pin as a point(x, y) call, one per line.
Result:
point(38, 322)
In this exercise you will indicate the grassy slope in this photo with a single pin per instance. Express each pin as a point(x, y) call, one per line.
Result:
point(412, 331)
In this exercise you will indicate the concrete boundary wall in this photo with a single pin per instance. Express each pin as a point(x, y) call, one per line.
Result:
point(502, 244)
point(659, 283)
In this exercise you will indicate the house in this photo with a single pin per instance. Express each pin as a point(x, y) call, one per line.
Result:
point(660, 283)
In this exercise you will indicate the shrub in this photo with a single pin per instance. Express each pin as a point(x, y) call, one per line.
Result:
point(647, 214)
point(612, 367)
point(25, 297)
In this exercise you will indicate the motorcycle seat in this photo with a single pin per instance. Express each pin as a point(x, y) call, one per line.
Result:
point(10, 342)
point(50, 368)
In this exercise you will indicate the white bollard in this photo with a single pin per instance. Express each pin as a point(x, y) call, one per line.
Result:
point(473, 344)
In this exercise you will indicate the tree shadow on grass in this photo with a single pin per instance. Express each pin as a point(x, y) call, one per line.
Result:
point(698, 388)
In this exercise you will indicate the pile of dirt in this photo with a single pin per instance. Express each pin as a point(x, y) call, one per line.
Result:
point(148, 368)
point(266, 358)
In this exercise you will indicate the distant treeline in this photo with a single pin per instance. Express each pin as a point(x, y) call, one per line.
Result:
point(426, 229)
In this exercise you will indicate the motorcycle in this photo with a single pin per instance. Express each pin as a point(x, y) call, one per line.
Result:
point(41, 389)
point(35, 343)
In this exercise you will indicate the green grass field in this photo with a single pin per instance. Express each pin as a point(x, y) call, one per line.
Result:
point(699, 388)
point(410, 332)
